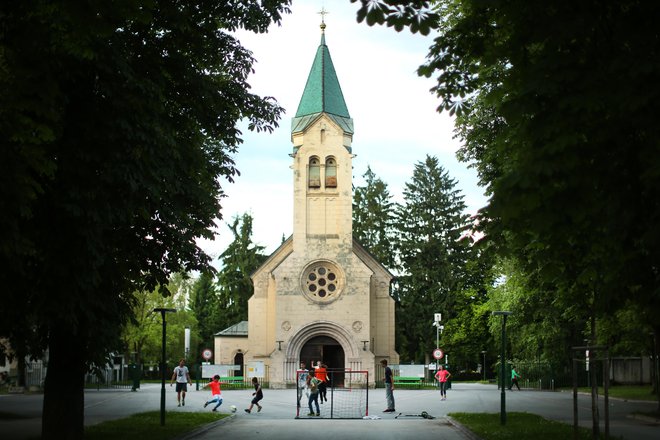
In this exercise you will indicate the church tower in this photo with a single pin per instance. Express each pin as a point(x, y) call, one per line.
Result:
point(320, 297)
point(321, 133)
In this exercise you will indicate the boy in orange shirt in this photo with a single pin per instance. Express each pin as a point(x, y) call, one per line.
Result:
point(216, 393)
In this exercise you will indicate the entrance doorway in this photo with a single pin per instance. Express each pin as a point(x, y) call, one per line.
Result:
point(328, 351)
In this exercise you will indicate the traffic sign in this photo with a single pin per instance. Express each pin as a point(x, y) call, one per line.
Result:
point(438, 353)
point(207, 354)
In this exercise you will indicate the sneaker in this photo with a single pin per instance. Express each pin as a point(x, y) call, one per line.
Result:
point(178, 404)
point(247, 411)
point(206, 404)
point(259, 408)
point(318, 414)
point(310, 414)
point(389, 410)
point(214, 410)
point(183, 403)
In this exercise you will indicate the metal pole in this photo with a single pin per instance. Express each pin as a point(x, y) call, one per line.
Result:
point(503, 374)
point(162, 371)
point(437, 343)
point(483, 366)
point(504, 314)
point(162, 364)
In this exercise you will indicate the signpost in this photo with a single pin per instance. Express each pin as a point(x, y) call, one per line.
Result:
point(438, 354)
point(207, 354)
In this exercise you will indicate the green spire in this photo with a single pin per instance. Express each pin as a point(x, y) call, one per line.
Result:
point(322, 93)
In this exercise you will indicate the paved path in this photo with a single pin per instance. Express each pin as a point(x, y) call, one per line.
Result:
point(277, 420)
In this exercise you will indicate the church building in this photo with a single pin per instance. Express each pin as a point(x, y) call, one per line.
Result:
point(320, 296)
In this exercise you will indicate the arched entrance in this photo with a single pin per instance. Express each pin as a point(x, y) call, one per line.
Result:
point(238, 360)
point(328, 351)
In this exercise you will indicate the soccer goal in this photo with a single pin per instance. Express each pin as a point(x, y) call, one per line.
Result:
point(347, 394)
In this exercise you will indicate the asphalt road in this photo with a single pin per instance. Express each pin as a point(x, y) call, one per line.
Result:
point(277, 420)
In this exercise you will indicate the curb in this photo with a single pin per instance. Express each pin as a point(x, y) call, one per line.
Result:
point(204, 428)
point(462, 429)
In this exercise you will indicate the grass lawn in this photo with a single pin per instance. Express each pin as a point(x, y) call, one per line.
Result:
point(146, 426)
point(630, 392)
point(519, 426)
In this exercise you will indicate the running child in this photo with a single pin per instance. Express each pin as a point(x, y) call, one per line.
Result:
point(258, 395)
point(216, 393)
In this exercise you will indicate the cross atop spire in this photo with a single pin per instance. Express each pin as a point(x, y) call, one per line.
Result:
point(323, 13)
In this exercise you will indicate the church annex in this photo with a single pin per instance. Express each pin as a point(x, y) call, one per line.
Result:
point(320, 296)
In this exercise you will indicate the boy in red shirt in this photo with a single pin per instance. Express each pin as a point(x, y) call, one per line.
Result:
point(216, 393)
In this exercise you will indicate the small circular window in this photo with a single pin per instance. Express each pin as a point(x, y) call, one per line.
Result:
point(322, 281)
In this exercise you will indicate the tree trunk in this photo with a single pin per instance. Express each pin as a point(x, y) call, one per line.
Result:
point(63, 411)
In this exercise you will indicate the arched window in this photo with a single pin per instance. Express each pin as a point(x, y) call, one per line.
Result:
point(330, 173)
point(314, 180)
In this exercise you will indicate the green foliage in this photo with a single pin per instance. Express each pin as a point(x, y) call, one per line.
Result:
point(239, 260)
point(143, 334)
point(204, 306)
point(519, 426)
point(118, 122)
point(433, 251)
point(373, 219)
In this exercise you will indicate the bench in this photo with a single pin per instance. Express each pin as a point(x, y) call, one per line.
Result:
point(408, 381)
point(232, 380)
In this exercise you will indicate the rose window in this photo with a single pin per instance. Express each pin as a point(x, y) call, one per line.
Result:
point(322, 281)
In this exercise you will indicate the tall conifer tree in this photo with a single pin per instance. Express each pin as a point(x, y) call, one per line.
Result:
point(432, 225)
point(239, 260)
point(373, 219)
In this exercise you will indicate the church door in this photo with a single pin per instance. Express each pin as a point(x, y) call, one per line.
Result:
point(328, 351)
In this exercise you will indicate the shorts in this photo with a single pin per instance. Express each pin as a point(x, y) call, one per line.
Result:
point(181, 386)
point(256, 399)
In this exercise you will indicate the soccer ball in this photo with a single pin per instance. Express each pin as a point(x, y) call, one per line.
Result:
point(233, 408)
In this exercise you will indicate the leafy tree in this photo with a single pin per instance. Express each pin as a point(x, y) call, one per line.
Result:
point(434, 252)
point(373, 219)
point(555, 104)
point(117, 122)
point(239, 260)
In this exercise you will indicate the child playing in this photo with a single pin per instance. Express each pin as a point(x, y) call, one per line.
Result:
point(258, 395)
point(216, 393)
point(313, 385)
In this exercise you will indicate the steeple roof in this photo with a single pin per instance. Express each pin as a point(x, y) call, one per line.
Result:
point(322, 93)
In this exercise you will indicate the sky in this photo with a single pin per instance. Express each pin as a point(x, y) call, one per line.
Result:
point(395, 115)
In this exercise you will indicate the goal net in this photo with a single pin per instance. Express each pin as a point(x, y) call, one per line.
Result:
point(346, 391)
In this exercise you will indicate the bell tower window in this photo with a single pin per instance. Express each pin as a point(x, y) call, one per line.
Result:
point(330, 173)
point(314, 179)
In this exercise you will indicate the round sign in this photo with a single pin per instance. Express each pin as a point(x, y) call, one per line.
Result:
point(207, 354)
point(438, 354)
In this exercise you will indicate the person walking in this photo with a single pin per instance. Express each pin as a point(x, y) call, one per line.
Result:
point(216, 393)
point(389, 387)
point(514, 378)
point(182, 376)
point(313, 385)
point(258, 395)
point(303, 373)
point(442, 376)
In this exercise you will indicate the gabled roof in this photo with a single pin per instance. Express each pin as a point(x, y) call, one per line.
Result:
point(240, 329)
point(322, 93)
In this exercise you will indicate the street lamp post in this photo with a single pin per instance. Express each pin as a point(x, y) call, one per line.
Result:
point(437, 318)
point(483, 366)
point(503, 314)
point(162, 364)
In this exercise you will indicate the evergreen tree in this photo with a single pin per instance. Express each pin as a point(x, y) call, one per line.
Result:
point(239, 260)
point(204, 305)
point(373, 219)
point(434, 252)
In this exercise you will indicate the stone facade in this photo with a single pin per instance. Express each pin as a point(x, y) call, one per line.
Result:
point(320, 296)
